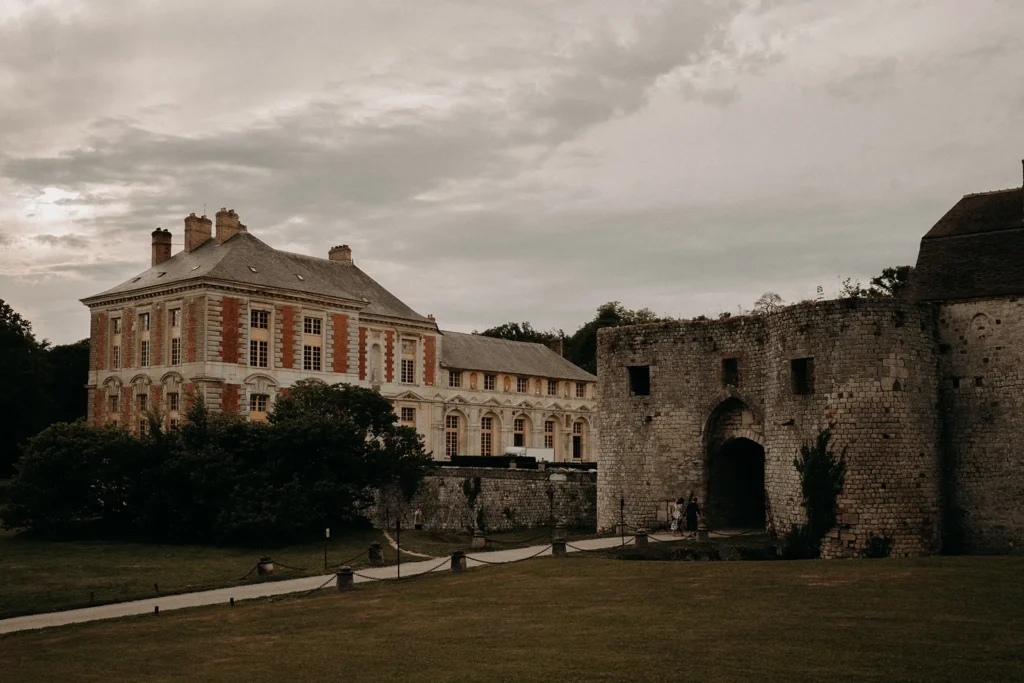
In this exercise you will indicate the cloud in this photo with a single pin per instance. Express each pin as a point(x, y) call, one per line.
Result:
point(526, 160)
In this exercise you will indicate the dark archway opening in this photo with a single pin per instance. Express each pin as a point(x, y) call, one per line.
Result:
point(736, 486)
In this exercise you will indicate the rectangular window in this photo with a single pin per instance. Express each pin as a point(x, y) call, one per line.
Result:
point(552, 388)
point(311, 358)
point(172, 401)
point(115, 325)
point(174, 423)
point(408, 371)
point(115, 360)
point(409, 415)
point(258, 352)
point(730, 372)
point(143, 402)
point(486, 424)
point(639, 380)
point(549, 434)
point(802, 370)
point(143, 426)
point(143, 322)
point(175, 351)
point(259, 320)
point(113, 404)
point(519, 432)
point(144, 353)
point(454, 378)
point(489, 381)
point(451, 435)
point(522, 385)
point(581, 390)
point(313, 326)
point(175, 317)
point(258, 403)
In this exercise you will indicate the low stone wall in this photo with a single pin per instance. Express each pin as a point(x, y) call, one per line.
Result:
point(466, 498)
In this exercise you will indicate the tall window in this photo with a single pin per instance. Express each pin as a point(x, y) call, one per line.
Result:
point(115, 343)
point(581, 390)
point(522, 385)
point(802, 370)
point(144, 353)
point(519, 432)
point(144, 322)
point(175, 317)
point(311, 358)
point(173, 403)
point(143, 333)
point(577, 441)
point(489, 382)
point(451, 435)
point(549, 434)
point(731, 372)
point(259, 320)
point(552, 388)
point(312, 326)
point(113, 404)
point(486, 427)
point(455, 378)
point(143, 403)
point(115, 324)
point(408, 364)
point(259, 352)
point(175, 350)
point(115, 357)
point(408, 416)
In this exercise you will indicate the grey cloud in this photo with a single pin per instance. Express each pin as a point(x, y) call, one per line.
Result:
point(66, 241)
point(868, 80)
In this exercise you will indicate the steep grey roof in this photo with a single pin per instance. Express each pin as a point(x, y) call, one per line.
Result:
point(235, 259)
point(974, 250)
point(476, 352)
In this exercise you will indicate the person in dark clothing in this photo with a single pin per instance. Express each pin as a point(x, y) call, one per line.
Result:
point(692, 512)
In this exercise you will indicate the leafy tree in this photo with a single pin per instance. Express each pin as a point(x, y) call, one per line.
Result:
point(851, 289)
point(581, 348)
point(822, 474)
point(24, 374)
point(891, 283)
point(523, 332)
point(69, 372)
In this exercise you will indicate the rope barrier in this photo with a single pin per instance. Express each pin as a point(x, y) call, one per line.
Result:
point(320, 587)
point(521, 559)
point(249, 572)
point(525, 542)
point(285, 566)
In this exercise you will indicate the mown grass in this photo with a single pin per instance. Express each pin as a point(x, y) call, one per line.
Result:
point(42, 575)
point(581, 618)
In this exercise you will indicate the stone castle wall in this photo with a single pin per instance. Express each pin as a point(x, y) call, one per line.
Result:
point(458, 498)
point(982, 404)
point(874, 377)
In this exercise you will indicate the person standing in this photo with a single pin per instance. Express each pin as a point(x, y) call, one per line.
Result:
point(677, 516)
point(691, 513)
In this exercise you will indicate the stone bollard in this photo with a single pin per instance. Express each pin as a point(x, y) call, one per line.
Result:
point(559, 533)
point(479, 541)
point(620, 529)
point(702, 532)
point(265, 567)
point(558, 549)
point(346, 581)
point(375, 554)
point(640, 538)
point(458, 561)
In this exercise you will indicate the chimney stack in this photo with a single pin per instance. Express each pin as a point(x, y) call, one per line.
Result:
point(342, 253)
point(228, 225)
point(197, 231)
point(161, 246)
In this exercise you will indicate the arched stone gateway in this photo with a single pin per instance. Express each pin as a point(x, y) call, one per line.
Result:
point(735, 493)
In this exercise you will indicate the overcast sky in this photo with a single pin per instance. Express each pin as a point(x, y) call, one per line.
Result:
point(495, 161)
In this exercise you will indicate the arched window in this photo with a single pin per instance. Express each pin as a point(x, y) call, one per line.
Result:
point(451, 435)
point(486, 435)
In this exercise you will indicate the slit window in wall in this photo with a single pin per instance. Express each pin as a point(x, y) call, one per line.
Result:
point(639, 380)
point(802, 373)
point(455, 378)
point(731, 372)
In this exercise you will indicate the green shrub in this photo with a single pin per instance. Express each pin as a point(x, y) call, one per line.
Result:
point(822, 474)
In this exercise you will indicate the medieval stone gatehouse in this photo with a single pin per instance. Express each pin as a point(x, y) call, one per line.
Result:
point(925, 392)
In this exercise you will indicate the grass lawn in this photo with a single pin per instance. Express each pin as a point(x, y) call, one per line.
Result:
point(41, 575)
point(581, 618)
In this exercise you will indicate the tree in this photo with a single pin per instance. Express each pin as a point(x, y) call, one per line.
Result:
point(25, 405)
point(769, 302)
point(822, 475)
point(69, 372)
point(523, 332)
point(581, 348)
point(892, 283)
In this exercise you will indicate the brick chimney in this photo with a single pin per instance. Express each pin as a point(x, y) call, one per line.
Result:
point(197, 231)
point(342, 253)
point(161, 246)
point(228, 225)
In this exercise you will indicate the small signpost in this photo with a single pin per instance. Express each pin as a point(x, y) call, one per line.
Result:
point(327, 535)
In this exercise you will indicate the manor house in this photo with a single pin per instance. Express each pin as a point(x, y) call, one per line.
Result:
point(233, 320)
point(925, 392)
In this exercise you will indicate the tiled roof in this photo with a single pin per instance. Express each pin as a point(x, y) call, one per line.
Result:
point(476, 352)
point(246, 260)
point(975, 250)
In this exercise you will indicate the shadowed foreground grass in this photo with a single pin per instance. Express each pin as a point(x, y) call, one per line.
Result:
point(581, 618)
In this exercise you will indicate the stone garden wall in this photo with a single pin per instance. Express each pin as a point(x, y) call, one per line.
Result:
point(466, 498)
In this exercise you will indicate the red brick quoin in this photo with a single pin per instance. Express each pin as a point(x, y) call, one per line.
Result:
point(362, 353)
point(389, 356)
point(287, 336)
point(98, 342)
point(229, 398)
point(429, 359)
